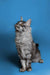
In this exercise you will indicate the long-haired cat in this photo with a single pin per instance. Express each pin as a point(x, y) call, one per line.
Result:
point(27, 50)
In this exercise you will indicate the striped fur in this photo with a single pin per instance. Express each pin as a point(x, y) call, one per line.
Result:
point(27, 50)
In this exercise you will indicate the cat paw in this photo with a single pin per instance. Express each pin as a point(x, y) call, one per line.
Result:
point(22, 70)
point(29, 69)
point(41, 61)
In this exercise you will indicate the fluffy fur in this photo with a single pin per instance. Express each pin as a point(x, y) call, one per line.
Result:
point(27, 50)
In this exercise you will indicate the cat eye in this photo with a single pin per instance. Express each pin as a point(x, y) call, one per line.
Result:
point(23, 26)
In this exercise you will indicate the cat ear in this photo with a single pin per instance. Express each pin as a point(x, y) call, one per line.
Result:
point(28, 22)
point(21, 18)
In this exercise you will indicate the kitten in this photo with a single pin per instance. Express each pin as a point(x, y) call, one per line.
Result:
point(27, 50)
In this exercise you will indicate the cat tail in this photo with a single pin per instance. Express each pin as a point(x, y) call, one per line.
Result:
point(36, 54)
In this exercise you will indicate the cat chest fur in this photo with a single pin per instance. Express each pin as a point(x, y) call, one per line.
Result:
point(24, 41)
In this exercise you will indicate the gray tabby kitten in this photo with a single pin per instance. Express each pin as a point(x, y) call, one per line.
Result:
point(27, 50)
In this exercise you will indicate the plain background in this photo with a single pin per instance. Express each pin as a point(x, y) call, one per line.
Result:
point(10, 13)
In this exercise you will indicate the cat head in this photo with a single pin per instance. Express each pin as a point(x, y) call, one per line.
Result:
point(21, 26)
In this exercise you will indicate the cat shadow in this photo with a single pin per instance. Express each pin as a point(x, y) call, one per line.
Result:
point(14, 59)
point(8, 49)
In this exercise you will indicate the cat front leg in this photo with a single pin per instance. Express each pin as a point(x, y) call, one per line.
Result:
point(29, 65)
point(23, 63)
